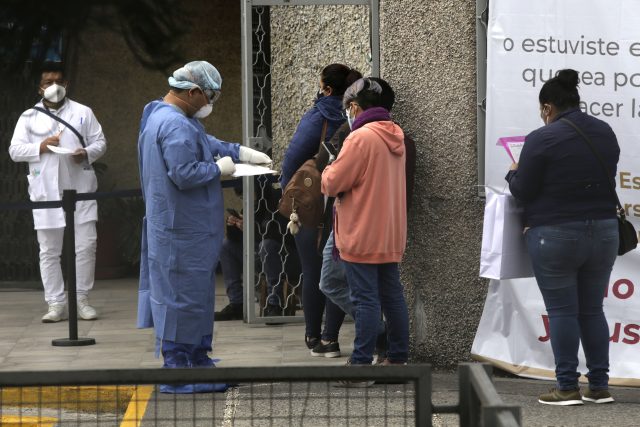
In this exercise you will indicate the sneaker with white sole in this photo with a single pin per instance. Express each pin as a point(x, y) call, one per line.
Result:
point(331, 349)
point(561, 397)
point(85, 311)
point(597, 396)
point(57, 312)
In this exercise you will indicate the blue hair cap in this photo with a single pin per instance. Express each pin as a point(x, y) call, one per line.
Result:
point(199, 74)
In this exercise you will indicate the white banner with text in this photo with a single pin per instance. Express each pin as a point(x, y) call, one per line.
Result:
point(528, 42)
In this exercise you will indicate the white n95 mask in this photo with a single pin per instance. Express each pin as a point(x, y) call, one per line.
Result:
point(55, 93)
point(203, 112)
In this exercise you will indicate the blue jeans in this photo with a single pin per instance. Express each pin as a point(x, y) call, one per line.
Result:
point(376, 286)
point(314, 301)
point(333, 282)
point(572, 263)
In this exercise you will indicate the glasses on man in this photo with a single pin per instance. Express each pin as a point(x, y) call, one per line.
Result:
point(212, 95)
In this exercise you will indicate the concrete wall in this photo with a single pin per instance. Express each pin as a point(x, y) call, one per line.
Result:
point(428, 56)
point(304, 40)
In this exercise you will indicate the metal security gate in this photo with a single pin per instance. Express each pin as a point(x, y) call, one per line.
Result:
point(285, 45)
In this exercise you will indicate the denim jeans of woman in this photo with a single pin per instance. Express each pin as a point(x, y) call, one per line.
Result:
point(313, 300)
point(333, 282)
point(572, 263)
point(376, 286)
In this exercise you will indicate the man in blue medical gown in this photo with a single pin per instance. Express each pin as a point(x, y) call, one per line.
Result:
point(180, 169)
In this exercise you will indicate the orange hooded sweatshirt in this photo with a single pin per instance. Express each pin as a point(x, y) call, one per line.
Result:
point(368, 179)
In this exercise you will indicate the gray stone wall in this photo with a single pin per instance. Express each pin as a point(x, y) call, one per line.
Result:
point(304, 39)
point(428, 56)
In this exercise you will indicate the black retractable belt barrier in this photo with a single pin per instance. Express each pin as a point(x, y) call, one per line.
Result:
point(68, 203)
point(69, 207)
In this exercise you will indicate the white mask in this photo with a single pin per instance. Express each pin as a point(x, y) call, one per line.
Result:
point(349, 118)
point(204, 111)
point(55, 93)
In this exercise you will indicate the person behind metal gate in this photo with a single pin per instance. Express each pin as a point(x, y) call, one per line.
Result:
point(57, 122)
point(369, 182)
point(270, 239)
point(571, 234)
point(180, 170)
point(334, 79)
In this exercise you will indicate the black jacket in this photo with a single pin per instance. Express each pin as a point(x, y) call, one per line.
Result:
point(558, 177)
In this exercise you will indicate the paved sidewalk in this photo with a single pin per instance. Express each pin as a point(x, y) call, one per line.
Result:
point(25, 345)
point(25, 342)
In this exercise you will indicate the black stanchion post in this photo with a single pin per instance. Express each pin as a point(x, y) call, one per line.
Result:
point(69, 207)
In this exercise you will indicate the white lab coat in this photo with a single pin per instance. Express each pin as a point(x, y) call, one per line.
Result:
point(51, 173)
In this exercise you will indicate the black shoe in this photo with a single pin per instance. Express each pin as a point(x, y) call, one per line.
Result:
point(230, 312)
point(311, 342)
point(272, 311)
point(326, 350)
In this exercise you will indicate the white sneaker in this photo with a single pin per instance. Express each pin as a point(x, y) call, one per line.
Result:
point(85, 311)
point(57, 312)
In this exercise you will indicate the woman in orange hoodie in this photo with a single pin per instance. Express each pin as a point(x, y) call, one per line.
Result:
point(370, 223)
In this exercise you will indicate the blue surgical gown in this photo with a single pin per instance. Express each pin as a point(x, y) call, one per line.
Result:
point(184, 223)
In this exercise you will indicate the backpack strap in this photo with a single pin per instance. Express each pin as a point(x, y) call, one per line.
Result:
point(323, 134)
point(594, 150)
point(58, 119)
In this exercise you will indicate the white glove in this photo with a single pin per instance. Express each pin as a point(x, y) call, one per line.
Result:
point(226, 166)
point(253, 156)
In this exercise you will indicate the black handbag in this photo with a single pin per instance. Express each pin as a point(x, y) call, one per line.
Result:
point(627, 233)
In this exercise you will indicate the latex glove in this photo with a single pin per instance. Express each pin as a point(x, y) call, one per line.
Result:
point(253, 156)
point(226, 166)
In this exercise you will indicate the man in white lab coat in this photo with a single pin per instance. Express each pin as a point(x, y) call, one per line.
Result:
point(59, 156)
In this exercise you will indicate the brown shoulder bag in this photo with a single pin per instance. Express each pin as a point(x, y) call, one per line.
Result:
point(302, 202)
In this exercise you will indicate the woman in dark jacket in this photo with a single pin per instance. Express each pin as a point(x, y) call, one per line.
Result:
point(571, 234)
point(334, 79)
